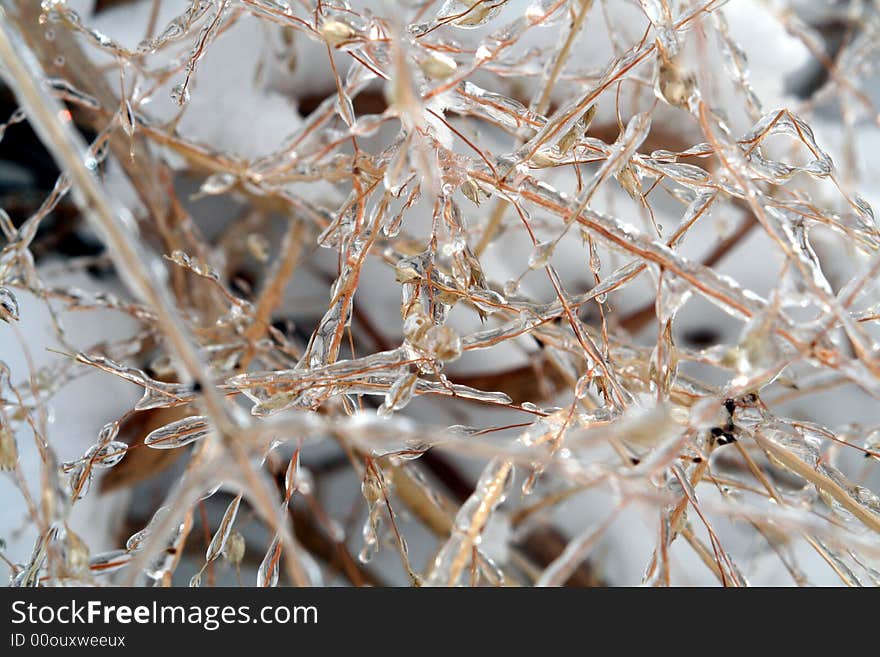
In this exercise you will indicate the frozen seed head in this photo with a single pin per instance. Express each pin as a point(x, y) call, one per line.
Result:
point(629, 180)
point(371, 488)
point(76, 553)
point(472, 192)
point(8, 449)
point(543, 159)
point(399, 394)
point(336, 32)
point(108, 455)
point(218, 183)
point(477, 13)
point(577, 131)
point(406, 271)
point(235, 547)
point(438, 66)
point(443, 343)
point(179, 433)
point(258, 247)
point(675, 84)
point(415, 327)
point(108, 433)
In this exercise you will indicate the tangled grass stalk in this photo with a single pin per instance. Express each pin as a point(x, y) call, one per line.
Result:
point(526, 207)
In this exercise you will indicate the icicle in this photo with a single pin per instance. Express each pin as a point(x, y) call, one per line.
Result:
point(109, 562)
point(267, 573)
point(469, 523)
point(218, 542)
point(136, 540)
point(398, 394)
point(8, 305)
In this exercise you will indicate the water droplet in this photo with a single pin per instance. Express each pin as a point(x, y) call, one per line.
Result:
point(541, 255)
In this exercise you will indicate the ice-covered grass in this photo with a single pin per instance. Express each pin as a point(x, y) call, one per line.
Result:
point(477, 292)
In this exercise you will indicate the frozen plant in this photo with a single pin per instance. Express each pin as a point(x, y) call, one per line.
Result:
point(444, 292)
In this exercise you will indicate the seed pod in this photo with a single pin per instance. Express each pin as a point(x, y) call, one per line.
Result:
point(629, 180)
point(676, 85)
point(127, 119)
point(543, 159)
point(336, 32)
point(478, 14)
point(80, 480)
point(258, 247)
point(416, 327)
point(108, 455)
point(8, 449)
point(179, 433)
point(371, 487)
point(107, 433)
point(218, 543)
point(218, 183)
point(443, 343)
point(399, 394)
point(438, 66)
point(577, 131)
point(267, 573)
point(76, 553)
point(472, 192)
point(235, 547)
